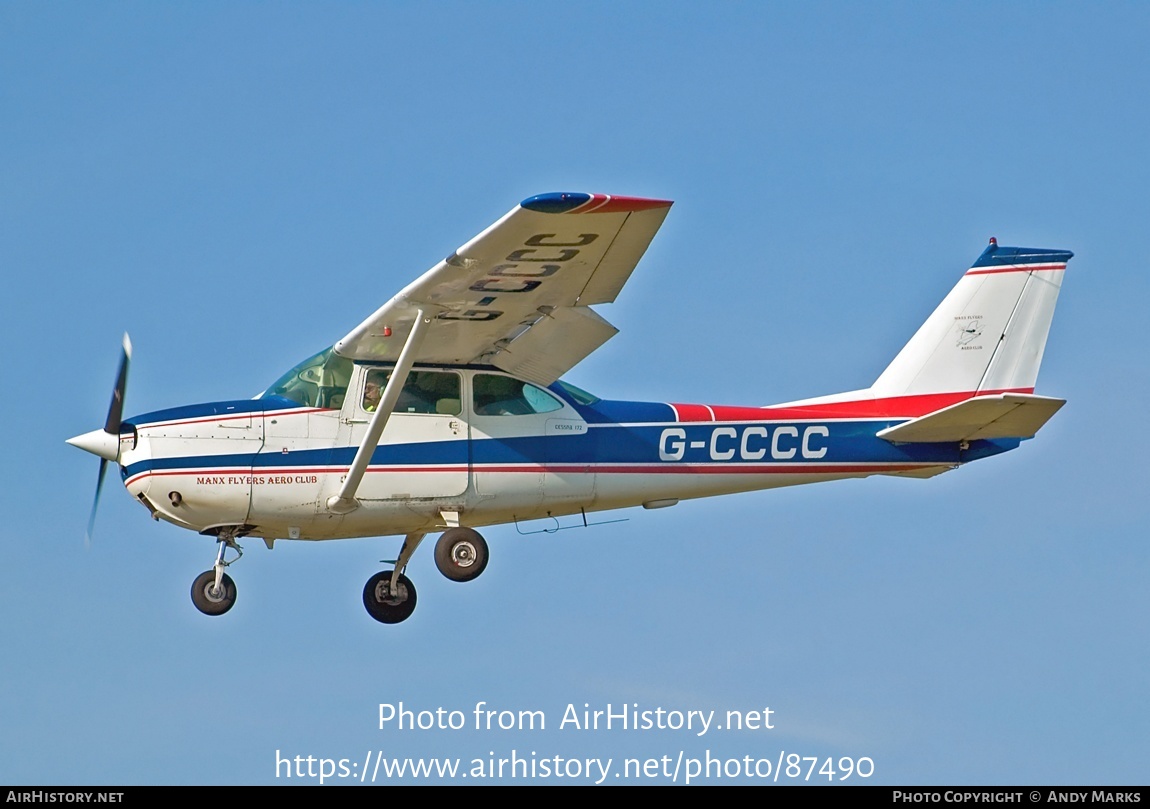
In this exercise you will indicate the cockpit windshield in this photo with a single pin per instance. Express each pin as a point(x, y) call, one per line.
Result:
point(319, 381)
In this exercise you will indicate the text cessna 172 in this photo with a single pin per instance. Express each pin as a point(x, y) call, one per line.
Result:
point(444, 412)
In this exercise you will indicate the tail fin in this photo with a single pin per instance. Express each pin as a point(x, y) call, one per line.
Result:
point(988, 334)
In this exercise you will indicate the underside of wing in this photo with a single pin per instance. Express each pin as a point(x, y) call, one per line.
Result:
point(1008, 415)
point(517, 296)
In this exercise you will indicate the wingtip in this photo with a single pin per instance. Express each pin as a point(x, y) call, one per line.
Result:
point(578, 202)
point(127, 342)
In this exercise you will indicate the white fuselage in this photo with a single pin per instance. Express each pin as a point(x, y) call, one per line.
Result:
point(271, 466)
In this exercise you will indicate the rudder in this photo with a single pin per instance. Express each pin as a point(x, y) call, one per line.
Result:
point(989, 333)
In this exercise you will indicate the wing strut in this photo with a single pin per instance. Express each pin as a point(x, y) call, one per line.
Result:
point(345, 501)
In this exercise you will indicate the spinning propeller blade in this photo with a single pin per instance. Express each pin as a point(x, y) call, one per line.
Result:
point(106, 443)
point(116, 408)
point(95, 502)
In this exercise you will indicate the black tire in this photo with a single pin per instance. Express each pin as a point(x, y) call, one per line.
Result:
point(381, 606)
point(210, 603)
point(461, 554)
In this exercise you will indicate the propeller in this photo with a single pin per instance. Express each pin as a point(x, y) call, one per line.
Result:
point(95, 502)
point(105, 443)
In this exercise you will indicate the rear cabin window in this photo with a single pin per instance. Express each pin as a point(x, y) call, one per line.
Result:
point(503, 396)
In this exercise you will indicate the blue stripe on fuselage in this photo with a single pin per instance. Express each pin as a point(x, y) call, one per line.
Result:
point(606, 411)
point(208, 409)
point(844, 442)
point(691, 444)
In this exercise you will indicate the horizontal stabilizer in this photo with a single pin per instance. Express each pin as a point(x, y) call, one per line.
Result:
point(1007, 415)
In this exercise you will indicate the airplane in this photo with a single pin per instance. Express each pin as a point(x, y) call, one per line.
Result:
point(444, 411)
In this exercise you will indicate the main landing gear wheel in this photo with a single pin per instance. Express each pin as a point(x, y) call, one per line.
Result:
point(461, 554)
point(382, 605)
point(208, 599)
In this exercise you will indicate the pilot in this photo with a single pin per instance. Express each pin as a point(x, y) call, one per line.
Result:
point(371, 394)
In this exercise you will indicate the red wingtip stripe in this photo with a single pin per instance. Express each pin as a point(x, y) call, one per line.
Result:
point(606, 203)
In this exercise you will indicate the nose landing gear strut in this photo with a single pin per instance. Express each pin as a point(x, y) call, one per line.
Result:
point(213, 591)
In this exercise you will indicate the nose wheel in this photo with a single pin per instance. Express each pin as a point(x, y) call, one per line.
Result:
point(386, 606)
point(210, 599)
point(213, 591)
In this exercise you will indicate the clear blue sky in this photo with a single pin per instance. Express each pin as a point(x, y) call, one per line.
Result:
point(238, 184)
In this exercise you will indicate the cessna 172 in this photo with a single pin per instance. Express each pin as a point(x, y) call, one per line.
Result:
point(443, 411)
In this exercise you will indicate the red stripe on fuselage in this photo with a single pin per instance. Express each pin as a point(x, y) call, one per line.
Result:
point(890, 407)
point(272, 471)
point(808, 468)
point(693, 412)
point(714, 469)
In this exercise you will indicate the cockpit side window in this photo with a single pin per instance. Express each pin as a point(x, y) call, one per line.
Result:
point(504, 396)
point(424, 392)
point(319, 381)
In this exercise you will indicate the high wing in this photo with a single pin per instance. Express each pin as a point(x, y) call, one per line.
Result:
point(518, 295)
